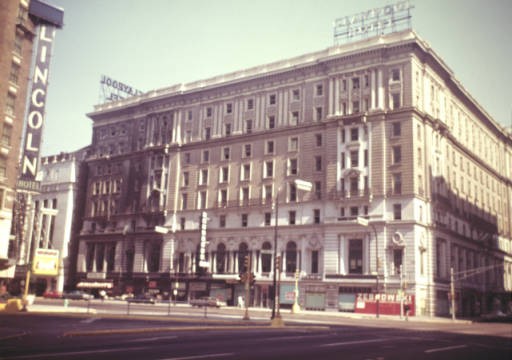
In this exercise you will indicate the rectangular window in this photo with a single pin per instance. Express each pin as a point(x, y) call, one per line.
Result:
point(224, 176)
point(316, 216)
point(271, 122)
point(244, 194)
point(272, 99)
point(318, 163)
point(10, 102)
point(293, 192)
point(222, 221)
point(354, 211)
point(296, 94)
point(206, 156)
point(355, 256)
point(365, 157)
point(246, 172)
point(395, 74)
point(229, 108)
point(182, 223)
point(6, 134)
point(314, 261)
point(185, 178)
point(354, 185)
point(207, 133)
point(295, 118)
point(250, 104)
point(397, 184)
point(226, 153)
point(318, 190)
point(343, 160)
point(292, 167)
point(397, 129)
point(395, 98)
point(354, 134)
point(227, 129)
point(269, 168)
point(293, 144)
point(248, 126)
point(209, 112)
point(268, 194)
point(318, 138)
point(247, 150)
point(245, 220)
point(397, 211)
point(202, 200)
point(354, 158)
point(184, 201)
point(203, 180)
point(291, 217)
point(355, 107)
point(343, 135)
point(397, 154)
point(223, 197)
point(319, 90)
point(15, 71)
point(318, 113)
point(268, 218)
point(355, 83)
point(189, 115)
point(270, 147)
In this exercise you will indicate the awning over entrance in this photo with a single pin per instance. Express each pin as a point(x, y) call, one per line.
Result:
point(95, 285)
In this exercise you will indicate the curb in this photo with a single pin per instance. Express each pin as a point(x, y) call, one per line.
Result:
point(190, 328)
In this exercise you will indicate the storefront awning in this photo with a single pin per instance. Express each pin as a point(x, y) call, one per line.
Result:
point(94, 285)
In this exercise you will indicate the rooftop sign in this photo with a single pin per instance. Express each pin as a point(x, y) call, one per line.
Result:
point(113, 90)
point(378, 21)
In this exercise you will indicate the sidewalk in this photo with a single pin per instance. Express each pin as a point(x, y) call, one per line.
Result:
point(256, 312)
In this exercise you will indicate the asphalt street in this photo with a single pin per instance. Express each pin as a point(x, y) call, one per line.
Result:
point(150, 333)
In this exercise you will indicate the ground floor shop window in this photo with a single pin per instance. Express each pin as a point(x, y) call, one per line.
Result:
point(355, 256)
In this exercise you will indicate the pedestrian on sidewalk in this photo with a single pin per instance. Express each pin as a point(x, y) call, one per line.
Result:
point(407, 308)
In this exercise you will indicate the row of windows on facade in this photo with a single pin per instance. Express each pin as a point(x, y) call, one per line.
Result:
point(295, 119)
point(466, 262)
point(100, 257)
point(349, 213)
point(296, 94)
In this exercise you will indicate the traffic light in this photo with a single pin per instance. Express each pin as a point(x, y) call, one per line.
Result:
point(278, 263)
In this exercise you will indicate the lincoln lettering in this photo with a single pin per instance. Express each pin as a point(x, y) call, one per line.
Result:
point(35, 119)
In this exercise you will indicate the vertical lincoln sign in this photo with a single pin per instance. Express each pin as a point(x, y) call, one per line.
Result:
point(35, 119)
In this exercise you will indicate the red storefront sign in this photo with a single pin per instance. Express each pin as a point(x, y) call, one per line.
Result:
point(389, 304)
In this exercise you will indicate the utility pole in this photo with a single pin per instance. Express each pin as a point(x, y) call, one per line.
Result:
point(452, 293)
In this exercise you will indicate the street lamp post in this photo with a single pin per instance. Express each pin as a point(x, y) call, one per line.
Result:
point(364, 222)
point(276, 317)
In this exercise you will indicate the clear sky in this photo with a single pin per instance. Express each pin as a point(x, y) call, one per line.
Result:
point(151, 44)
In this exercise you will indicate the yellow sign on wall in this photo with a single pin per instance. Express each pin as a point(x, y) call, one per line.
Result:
point(46, 262)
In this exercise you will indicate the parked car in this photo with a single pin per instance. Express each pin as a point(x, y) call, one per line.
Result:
point(207, 301)
point(52, 294)
point(77, 295)
point(142, 299)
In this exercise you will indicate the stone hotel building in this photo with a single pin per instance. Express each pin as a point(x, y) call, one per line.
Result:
point(380, 127)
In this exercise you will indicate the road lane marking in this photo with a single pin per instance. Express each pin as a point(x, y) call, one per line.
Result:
point(447, 348)
point(200, 356)
point(353, 342)
point(89, 320)
point(154, 338)
point(72, 353)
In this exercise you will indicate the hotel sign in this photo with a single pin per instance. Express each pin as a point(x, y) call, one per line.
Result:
point(378, 21)
point(113, 90)
point(37, 101)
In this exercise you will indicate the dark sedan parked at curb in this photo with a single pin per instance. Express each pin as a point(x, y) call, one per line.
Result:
point(77, 295)
point(207, 301)
point(142, 298)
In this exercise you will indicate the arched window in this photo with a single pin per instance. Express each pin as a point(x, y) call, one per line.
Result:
point(266, 257)
point(221, 259)
point(243, 251)
point(291, 257)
